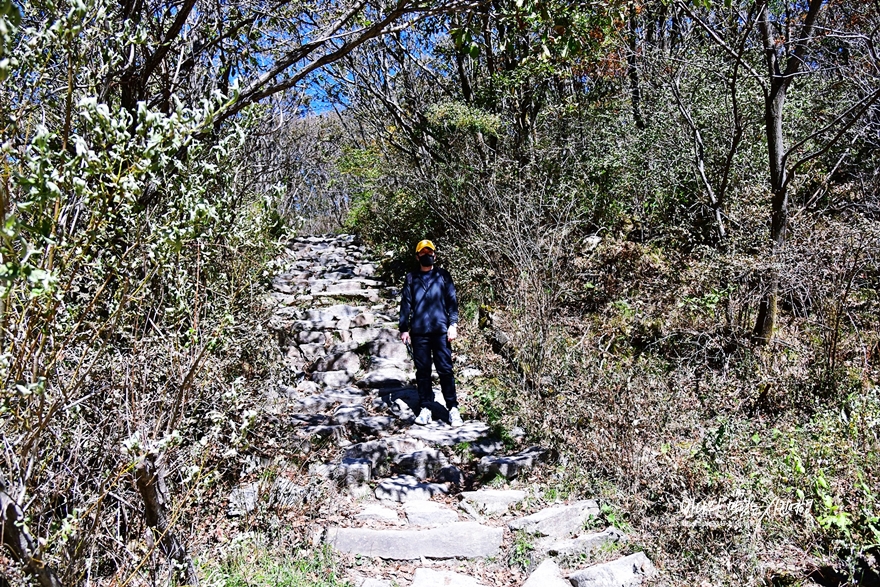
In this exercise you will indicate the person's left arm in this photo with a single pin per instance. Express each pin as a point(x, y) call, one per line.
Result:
point(450, 298)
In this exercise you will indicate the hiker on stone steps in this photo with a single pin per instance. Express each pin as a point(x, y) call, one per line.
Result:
point(429, 321)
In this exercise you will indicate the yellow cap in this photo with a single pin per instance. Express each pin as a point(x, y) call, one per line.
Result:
point(425, 244)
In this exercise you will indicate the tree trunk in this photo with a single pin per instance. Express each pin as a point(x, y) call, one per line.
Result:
point(774, 103)
point(633, 73)
point(150, 479)
point(21, 544)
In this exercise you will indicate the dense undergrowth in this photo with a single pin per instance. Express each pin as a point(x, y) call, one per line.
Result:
point(732, 462)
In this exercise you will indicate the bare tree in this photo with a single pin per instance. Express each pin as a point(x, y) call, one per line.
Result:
point(785, 41)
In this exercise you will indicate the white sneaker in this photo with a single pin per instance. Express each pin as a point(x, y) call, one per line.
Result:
point(455, 418)
point(424, 417)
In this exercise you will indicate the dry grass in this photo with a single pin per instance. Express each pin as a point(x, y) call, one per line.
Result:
point(733, 464)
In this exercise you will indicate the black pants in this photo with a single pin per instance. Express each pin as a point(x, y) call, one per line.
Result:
point(423, 346)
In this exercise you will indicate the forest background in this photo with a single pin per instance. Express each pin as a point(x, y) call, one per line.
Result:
point(662, 217)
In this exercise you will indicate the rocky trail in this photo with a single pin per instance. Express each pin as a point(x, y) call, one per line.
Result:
point(422, 506)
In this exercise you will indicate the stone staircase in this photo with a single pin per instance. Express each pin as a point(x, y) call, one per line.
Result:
point(410, 514)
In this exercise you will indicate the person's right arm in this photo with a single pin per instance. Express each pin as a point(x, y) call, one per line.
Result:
point(405, 305)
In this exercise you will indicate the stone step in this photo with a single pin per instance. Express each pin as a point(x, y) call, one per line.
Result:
point(624, 572)
point(374, 425)
point(511, 466)
point(457, 540)
point(493, 501)
point(349, 362)
point(581, 545)
point(332, 379)
point(385, 449)
point(385, 378)
point(429, 513)
point(403, 488)
point(421, 464)
point(377, 513)
point(345, 414)
point(445, 435)
point(349, 473)
point(560, 521)
point(547, 575)
point(323, 401)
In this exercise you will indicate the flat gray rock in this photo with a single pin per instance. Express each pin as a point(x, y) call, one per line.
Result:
point(366, 270)
point(348, 362)
point(243, 499)
point(307, 387)
point(312, 351)
point(422, 463)
point(405, 488)
point(384, 378)
point(493, 501)
point(378, 451)
point(314, 324)
point(376, 512)
point(511, 466)
point(346, 395)
point(374, 424)
point(333, 312)
point(345, 414)
point(378, 363)
point(342, 347)
point(387, 346)
point(331, 378)
point(364, 335)
point(285, 493)
point(486, 447)
point(350, 472)
point(462, 539)
point(441, 578)
point(347, 287)
point(314, 403)
point(584, 544)
point(560, 521)
point(624, 572)
point(547, 575)
point(373, 583)
point(311, 337)
point(445, 435)
point(334, 432)
point(428, 513)
point(365, 319)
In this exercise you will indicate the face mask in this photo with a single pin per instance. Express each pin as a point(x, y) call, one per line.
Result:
point(426, 260)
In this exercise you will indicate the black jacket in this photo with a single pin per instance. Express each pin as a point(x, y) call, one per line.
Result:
point(428, 304)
